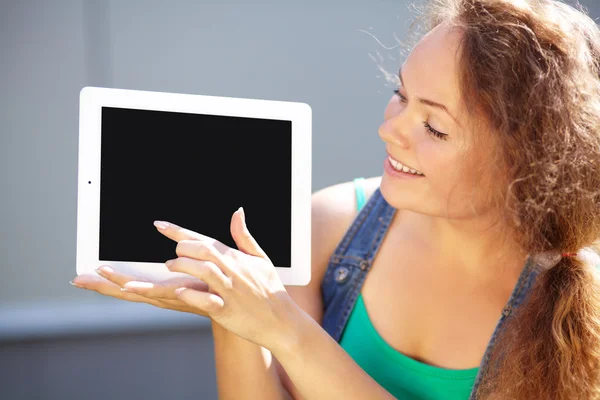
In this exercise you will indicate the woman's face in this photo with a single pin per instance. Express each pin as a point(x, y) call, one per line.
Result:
point(425, 128)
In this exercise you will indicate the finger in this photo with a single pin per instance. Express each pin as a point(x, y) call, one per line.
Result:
point(177, 233)
point(208, 302)
point(242, 237)
point(107, 288)
point(204, 270)
point(149, 290)
point(205, 251)
point(115, 277)
point(165, 289)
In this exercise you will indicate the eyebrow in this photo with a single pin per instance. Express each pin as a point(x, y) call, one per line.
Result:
point(430, 102)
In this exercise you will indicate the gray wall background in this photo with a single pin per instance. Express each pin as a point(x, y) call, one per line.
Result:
point(57, 342)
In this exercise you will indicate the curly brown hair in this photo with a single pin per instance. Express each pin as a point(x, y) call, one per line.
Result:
point(531, 70)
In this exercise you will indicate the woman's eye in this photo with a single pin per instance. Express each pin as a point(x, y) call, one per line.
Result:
point(430, 130)
point(435, 133)
point(397, 93)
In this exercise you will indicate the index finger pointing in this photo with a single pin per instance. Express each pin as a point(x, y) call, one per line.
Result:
point(177, 233)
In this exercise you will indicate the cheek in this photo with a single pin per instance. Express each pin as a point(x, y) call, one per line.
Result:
point(439, 163)
point(455, 188)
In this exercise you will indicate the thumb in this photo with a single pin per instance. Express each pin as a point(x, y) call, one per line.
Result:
point(242, 237)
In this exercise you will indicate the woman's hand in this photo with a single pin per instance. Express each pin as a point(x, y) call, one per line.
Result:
point(159, 293)
point(243, 294)
point(130, 288)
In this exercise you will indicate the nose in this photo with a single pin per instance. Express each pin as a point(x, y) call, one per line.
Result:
point(393, 130)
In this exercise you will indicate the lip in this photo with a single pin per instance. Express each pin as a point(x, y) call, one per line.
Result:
point(401, 162)
point(392, 172)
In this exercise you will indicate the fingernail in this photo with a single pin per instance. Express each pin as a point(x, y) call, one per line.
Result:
point(128, 290)
point(161, 224)
point(76, 284)
point(178, 291)
point(169, 263)
point(133, 285)
point(102, 271)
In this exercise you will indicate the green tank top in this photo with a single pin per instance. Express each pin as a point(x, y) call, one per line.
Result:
point(402, 376)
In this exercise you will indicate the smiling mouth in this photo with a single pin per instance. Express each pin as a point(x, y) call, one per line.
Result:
point(403, 168)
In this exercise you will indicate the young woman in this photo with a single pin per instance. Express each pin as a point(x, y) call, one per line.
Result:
point(467, 275)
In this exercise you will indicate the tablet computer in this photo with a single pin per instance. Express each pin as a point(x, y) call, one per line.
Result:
point(192, 160)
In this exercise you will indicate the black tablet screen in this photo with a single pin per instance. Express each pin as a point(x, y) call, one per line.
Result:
point(193, 170)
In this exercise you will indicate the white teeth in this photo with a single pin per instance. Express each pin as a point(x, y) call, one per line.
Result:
point(399, 167)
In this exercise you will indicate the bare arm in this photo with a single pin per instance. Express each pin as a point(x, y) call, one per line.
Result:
point(316, 366)
point(248, 371)
point(245, 370)
point(321, 369)
point(334, 209)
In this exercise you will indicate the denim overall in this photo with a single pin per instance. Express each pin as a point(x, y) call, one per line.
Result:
point(352, 260)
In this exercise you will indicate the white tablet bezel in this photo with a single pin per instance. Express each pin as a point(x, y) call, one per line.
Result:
point(92, 99)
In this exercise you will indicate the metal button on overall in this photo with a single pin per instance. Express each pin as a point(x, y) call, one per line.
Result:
point(341, 274)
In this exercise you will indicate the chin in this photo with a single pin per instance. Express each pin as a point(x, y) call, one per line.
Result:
point(396, 196)
point(402, 198)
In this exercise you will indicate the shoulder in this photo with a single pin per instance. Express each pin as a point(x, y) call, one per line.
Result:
point(333, 210)
point(341, 197)
point(334, 207)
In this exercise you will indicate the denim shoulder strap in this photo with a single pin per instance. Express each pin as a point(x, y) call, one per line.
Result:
point(524, 284)
point(351, 261)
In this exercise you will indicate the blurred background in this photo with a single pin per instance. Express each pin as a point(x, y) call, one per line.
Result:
point(59, 342)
